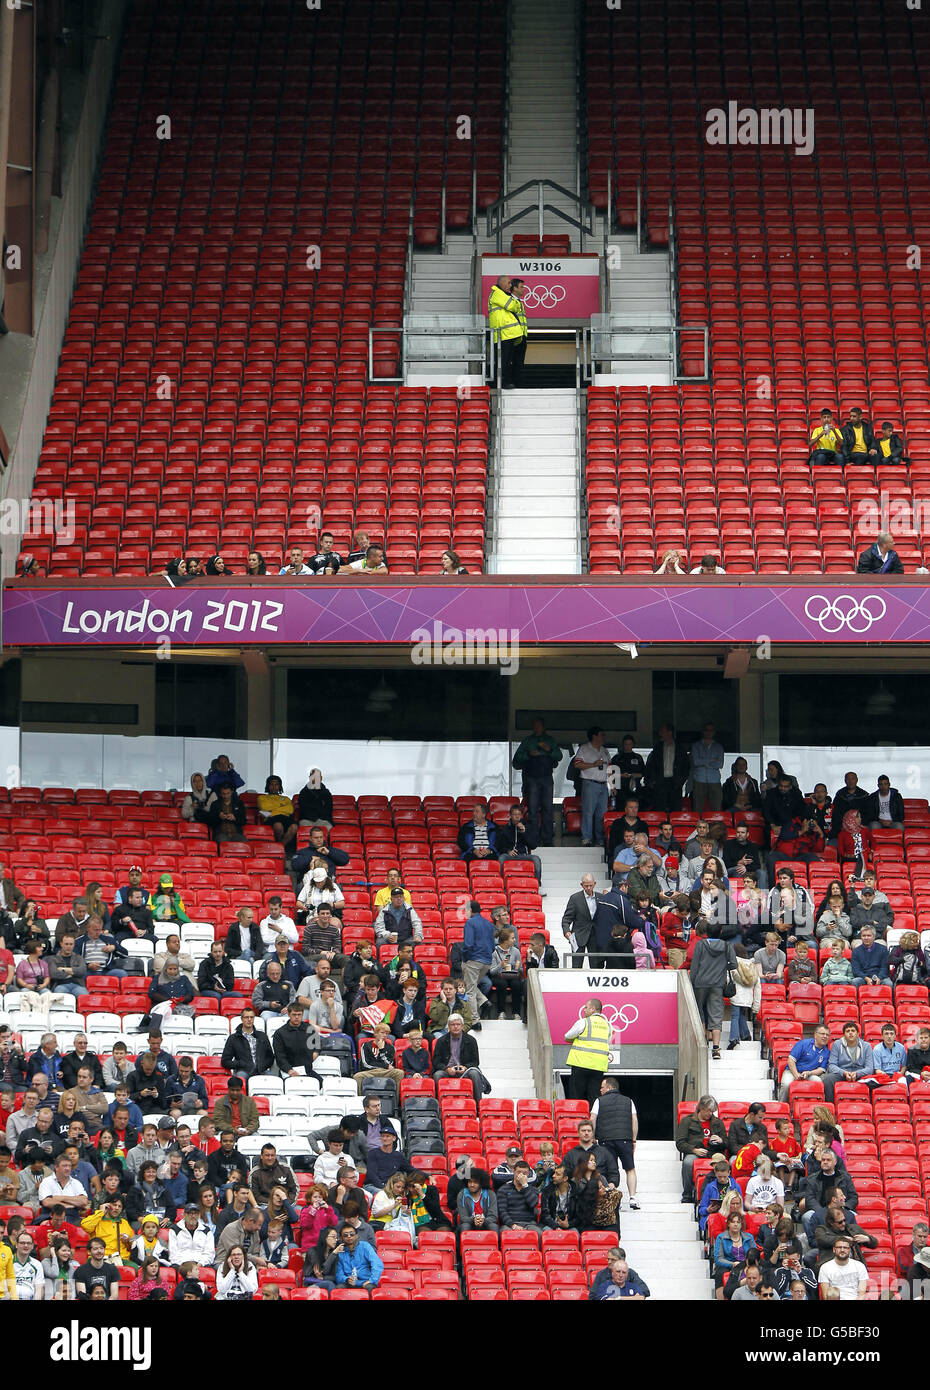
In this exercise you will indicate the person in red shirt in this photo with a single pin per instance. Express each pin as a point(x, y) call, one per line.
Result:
point(207, 1142)
point(54, 1226)
point(789, 1157)
point(744, 1163)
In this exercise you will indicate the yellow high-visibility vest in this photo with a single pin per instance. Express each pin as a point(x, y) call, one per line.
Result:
point(504, 315)
point(591, 1049)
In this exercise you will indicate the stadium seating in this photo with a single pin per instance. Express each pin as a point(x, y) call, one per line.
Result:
point(250, 224)
point(775, 250)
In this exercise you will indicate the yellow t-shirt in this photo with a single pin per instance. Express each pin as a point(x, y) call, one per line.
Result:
point(7, 1278)
point(383, 898)
point(823, 438)
point(885, 446)
point(858, 439)
point(275, 805)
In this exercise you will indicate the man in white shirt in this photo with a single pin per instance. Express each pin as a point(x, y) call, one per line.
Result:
point(593, 759)
point(62, 1190)
point(844, 1273)
point(27, 1272)
point(192, 1240)
point(295, 565)
point(326, 1168)
point(276, 924)
point(578, 919)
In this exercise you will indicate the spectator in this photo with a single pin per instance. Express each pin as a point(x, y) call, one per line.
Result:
point(237, 1277)
point(631, 767)
point(215, 976)
point(859, 443)
point(194, 805)
point(807, 1060)
point(293, 966)
point(671, 563)
point(820, 806)
point(146, 1084)
point(247, 1051)
point(133, 919)
point(667, 770)
point(314, 801)
point(906, 1255)
point(26, 1271)
point(782, 801)
point(854, 843)
point(867, 911)
point(270, 1174)
point(373, 563)
point(870, 960)
point(850, 1057)
point(296, 1045)
point(166, 902)
point(67, 970)
point(277, 810)
point(277, 923)
point(506, 974)
point(516, 841)
point(699, 1133)
point(708, 565)
point(226, 816)
point(889, 1056)
point(617, 1129)
point(171, 950)
point(706, 764)
point(73, 922)
point(449, 1001)
point(222, 770)
point(245, 929)
point(99, 951)
point(295, 563)
point(770, 961)
point(802, 967)
point(848, 1276)
point(713, 959)
point(273, 995)
point(763, 1187)
point(415, 1060)
point(713, 1190)
point(319, 889)
point(890, 445)
point(477, 838)
point(881, 557)
point(832, 914)
point(918, 1058)
point(741, 856)
point(358, 1265)
point(186, 1092)
point(411, 1011)
point(885, 807)
point(540, 955)
point(32, 979)
point(730, 1250)
point(907, 963)
point(376, 1057)
point(518, 1201)
point(630, 820)
point(397, 923)
point(827, 442)
point(850, 797)
point(170, 988)
point(456, 1055)
point(326, 1014)
point(476, 1204)
point(311, 984)
point(593, 764)
point(318, 849)
point(536, 758)
point(837, 970)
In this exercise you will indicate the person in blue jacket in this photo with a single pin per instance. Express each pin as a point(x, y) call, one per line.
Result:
point(889, 1056)
point(719, 1182)
point(358, 1264)
point(477, 950)
point(870, 960)
point(319, 849)
point(222, 770)
point(478, 837)
point(623, 1283)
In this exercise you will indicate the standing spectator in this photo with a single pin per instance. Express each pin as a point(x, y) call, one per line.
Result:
point(706, 765)
point(477, 953)
point(667, 770)
point(631, 767)
point(593, 764)
point(537, 757)
point(617, 1128)
point(506, 974)
point(740, 791)
point(712, 960)
point(745, 1000)
point(578, 919)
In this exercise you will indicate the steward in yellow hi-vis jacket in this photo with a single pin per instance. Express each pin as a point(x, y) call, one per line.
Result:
point(507, 320)
point(589, 1054)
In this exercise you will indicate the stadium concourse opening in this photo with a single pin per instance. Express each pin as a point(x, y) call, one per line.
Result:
point(463, 665)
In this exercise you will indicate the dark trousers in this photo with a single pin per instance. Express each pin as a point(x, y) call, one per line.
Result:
point(519, 357)
point(510, 348)
point(665, 794)
point(584, 1084)
point(822, 456)
point(538, 793)
point(515, 984)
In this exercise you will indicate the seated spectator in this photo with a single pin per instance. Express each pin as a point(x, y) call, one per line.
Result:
point(889, 1056)
point(708, 565)
point(477, 838)
point(194, 805)
point(671, 563)
point(832, 914)
point(850, 1058)
point(859, 443)
point(625, 858)
point(88, 1098)
point(273, 995)
point(33, 981)
point(867, 911)
point(411, 1010)
point(540, 955)
point(890, 445)
point(277, 810)
point(456, 1054)
point(236, 1277)
point(67, 970)
point(905, 1255)
point(730, 1249)
point(244, 938)
point(770, 960)
point(820, 806)
point(358, 1265)
point(918, 1058)
point(98, 1273)
point(309, 989)
point(100, 951)
point(870, 960)
point(226, 816)
point(630, 820)
point(117, 1067)
point(718, 1182)
point(318, 849)
point(782, 801)
point(449, 1001)
point(854, 843)
point(133, 919)
point(371, 1006)
point(221, 770)
point(791, 1279)
point(885, 808)
point(236, 1111)
point(907, 963)
point(146, 1084)
point(277, 923)
point(16, 934)
point(73, 922)
point(800, 839)
point(376, 1057)
point(187, 1092)
point(763, 1187)
point(314, 801)
point(881, 557)
point(171, 950)
point(396, 922)
point(268, 1175)
point(121, 896)
point(390, 1203)
point(844, 1274)
point(518, 1201)
point(320, 889)
point(789, 1158)
point(169, 988)
point(415, 1059)
point(166, 902)
point(111, 1227)
point(328, 1165)
point(476, 1204)
point(515, 840)
point(373, 563)
point(506, 974)
point(247, 1051)
point(293, 966)
point(836, 970)
point(802, 967)
point(808, 1059)
point(326, 1014)
point(296, 1046)
point(827, 442)
point(295, 566)
point(741, 856)
point(216, 978)
point(150, 1194)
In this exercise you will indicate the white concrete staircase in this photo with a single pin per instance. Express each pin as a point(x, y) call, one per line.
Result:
point(536, 512)
point(542, 131)
point(639, 285)
point(505, 1059)
point(562, 870)
point(661, 1239)
point(741, 1074)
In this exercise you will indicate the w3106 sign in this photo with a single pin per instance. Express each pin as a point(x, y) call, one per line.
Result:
point(563, 288)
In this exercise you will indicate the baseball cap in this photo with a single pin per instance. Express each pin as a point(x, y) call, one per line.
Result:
point(135, 868)
point(166, 881)
point(514, 1151)
point(166, 1122)
point(319, 874)
point(191, 1206)
point(279, 939)
point(671, 861)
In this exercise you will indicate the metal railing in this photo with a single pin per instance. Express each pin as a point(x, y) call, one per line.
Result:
point(495, 221)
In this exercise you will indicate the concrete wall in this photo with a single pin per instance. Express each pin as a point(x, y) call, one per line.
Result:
point(578, 686)
point(692, 1044)
point(92, 682)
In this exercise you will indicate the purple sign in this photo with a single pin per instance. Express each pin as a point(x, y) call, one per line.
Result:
point(269, 612)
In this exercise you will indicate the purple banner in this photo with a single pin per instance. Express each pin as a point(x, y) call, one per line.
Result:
point(587, 609)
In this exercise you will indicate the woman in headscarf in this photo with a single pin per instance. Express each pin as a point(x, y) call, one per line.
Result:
point(217, 565)
point(315, 801)
point(854, 843)
point(194, 805)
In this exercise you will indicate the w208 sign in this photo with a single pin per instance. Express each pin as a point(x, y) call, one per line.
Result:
point(558, 287)
point(641, 1006)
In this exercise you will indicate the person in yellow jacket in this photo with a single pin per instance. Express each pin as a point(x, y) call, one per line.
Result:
point(7, 1277)
point(110, 1225)
point(589, 1054)
point(507, 320)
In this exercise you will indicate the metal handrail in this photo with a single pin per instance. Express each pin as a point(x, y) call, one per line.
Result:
point(495, 222)
point(408, 262)
point(442, 220)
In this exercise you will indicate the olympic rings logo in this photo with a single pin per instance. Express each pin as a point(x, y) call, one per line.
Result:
point(620, 1018)
point(543, 296)
point(845, 611)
